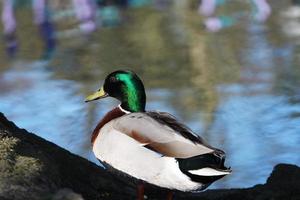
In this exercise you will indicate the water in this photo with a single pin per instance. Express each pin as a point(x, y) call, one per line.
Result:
point(238, 88)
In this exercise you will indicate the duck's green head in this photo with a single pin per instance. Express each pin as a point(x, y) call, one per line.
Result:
point(125, 86)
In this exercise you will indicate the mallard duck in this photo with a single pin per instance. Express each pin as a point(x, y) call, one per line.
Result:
point(151, 146)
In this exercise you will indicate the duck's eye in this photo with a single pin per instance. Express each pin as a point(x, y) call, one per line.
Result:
point(113, 79)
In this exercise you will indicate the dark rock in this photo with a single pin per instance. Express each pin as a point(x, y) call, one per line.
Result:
point(33, 168)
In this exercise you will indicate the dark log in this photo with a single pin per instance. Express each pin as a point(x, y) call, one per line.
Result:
point(33, 168)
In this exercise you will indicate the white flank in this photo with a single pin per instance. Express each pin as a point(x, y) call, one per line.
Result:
point(208, 172)
point(127, 155)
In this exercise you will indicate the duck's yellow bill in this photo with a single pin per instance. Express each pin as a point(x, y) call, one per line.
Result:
point(97, 95)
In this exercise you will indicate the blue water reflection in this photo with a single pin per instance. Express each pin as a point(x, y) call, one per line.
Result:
point(258, 134)
point(35, 101)
point(254, 117)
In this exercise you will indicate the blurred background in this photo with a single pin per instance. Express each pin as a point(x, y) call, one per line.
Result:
point(229, 69)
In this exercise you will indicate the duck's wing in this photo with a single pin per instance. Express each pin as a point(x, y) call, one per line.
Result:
point(204, 167)
point(162, 133)
point(169, 120)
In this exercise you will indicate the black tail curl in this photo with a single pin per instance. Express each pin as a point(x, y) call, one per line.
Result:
point(214, 160)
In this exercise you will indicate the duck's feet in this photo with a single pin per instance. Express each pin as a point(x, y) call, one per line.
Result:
point(140, 191)
point(170, 195)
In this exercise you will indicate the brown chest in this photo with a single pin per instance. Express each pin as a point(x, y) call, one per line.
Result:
point(113, 114)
